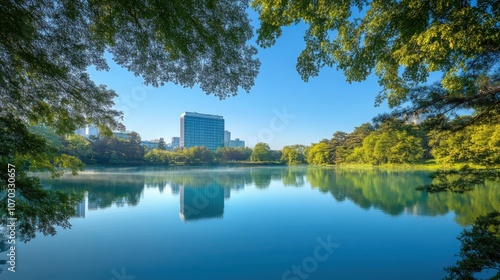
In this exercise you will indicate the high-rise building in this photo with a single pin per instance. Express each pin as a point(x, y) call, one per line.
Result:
point(227, 137)
point(202, 130)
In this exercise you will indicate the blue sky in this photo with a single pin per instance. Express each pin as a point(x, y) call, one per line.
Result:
point(280, 110)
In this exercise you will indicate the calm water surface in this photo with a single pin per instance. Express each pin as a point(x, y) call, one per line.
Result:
point(253, 223)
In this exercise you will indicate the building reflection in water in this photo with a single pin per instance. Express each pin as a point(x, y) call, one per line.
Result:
point(81, 207)
point(201, 202)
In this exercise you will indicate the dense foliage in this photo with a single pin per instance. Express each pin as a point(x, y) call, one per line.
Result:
point(36, 209)
point(103, 150)
point(403, 42)
point(396, 142)
point(293, 154)
point(46, 48)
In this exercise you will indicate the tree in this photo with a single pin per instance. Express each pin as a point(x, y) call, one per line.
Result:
point(199, 156)
point(403, 42)
point(276, 155)
point(226, 154)
point(318, 154)
point(47, 47)
point(346, 152)
point(134, 152)
point(389, 146)
point(157, 156)
point(338, 140)
point(50, 135)
point(293, 154)
point(81, 148)
point(179, 156)
point(479, 144)
point(407, 149)
point(37, 209)
point(161, 144)
point(261, 152)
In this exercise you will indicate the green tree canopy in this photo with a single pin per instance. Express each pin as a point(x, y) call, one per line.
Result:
point(157, 156)
point(200, 155)
point(47, 46)
point(226, 154)
point(161, 144)
point(293, 154)
point(402, 42)
point(319, 153)
point(261, 152)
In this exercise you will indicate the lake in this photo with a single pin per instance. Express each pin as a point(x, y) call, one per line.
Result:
point(293, 223)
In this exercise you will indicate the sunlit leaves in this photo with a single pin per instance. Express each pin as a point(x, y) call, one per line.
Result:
point(478, 144)
point(46, 48)
point(261, 152)
point(293, 154)
point(157, 156)
point(402, 41)
point(187, 42)
point(319, 154)
point(37, 210)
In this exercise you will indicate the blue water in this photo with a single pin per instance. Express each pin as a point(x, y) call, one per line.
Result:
point(252, 223)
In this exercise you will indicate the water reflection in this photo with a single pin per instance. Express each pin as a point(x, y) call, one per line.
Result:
point(253, 217)
point(394, 193)
point(102, 190)
point(81, 208)
point(201, 202)
point(202, 191)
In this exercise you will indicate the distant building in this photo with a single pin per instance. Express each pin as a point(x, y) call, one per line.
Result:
point(122, 135)
point(90, 130)
point(202, 130)
point(227, 137)
point(150, 144)
point(236, 143)
point(176, 142)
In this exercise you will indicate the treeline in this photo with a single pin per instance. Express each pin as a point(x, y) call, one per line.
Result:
point(204, 156)
point(120, 151)
point(395, 142)
point(391, 141)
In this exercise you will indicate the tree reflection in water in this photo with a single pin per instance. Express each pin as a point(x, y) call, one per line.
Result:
point(393, 192)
